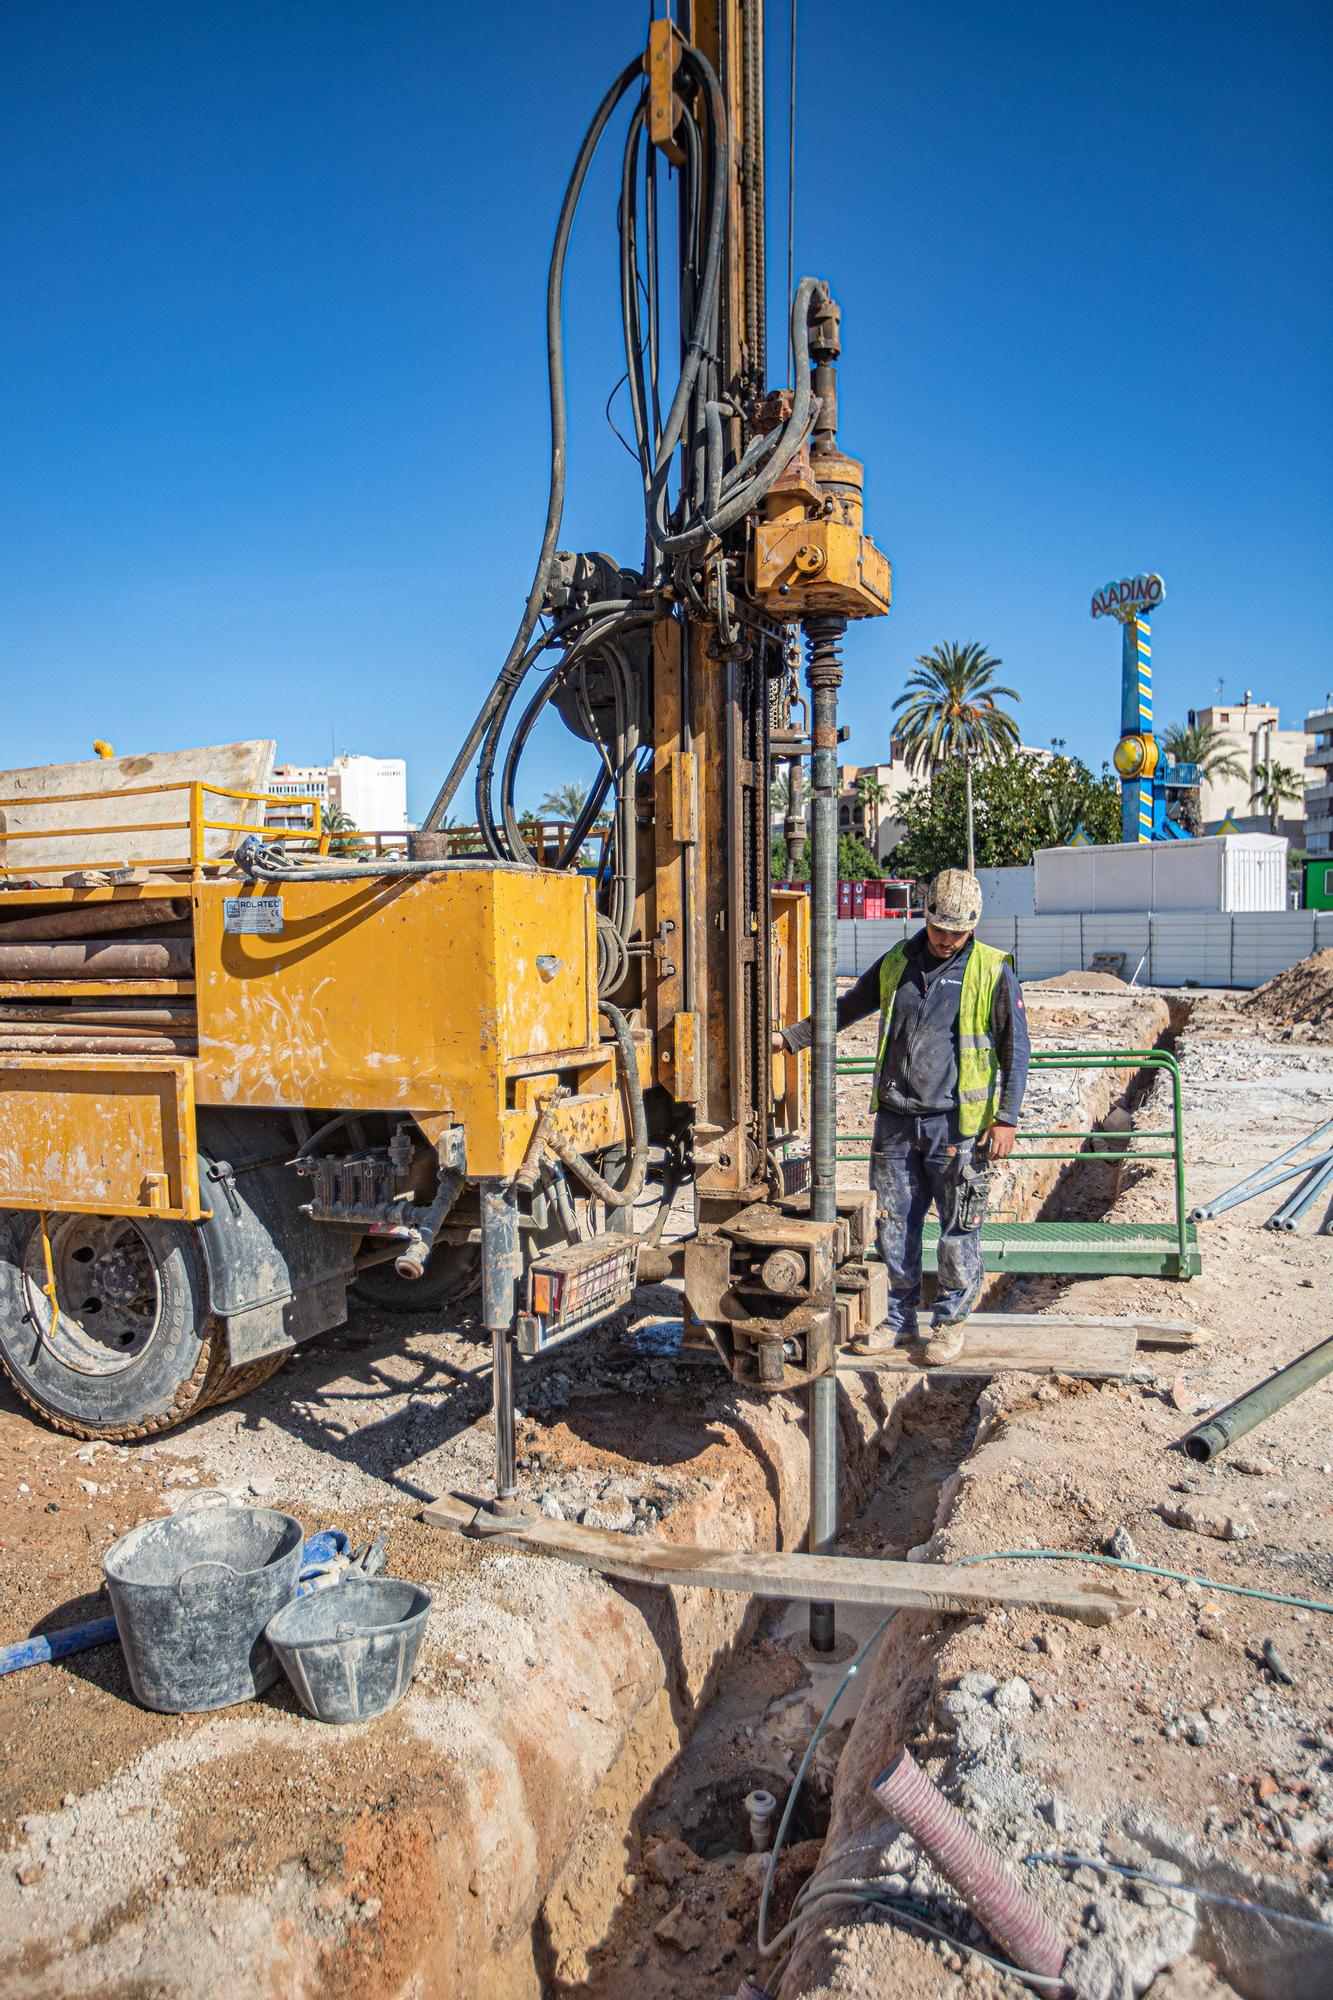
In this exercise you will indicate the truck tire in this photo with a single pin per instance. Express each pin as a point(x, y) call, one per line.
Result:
point(133, 1349)
point(452, 1272)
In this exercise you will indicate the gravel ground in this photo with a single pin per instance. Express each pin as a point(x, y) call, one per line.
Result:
point(1194, 1737)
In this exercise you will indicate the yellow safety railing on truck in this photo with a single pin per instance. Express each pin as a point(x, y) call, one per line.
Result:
point(197, 824)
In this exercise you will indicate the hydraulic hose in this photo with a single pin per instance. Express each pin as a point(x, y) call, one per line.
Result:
point(260, 861)
point(607, 611)
point(598, 638)
point(632, 1186)
point(739, 500)
point(629, 302)
point(555, 503)
point(582, 826)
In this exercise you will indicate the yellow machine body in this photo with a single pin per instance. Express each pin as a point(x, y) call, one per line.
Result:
point(99, 1135)
point(461, 998)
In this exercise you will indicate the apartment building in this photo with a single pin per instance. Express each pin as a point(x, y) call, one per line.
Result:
point(372, 791)
point(1254, 733)
point(1318, 760)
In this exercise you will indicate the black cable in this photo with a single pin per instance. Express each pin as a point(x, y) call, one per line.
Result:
point(599, 640)
point(629, 296)
point(791, 180)
point(583, 824)
point(697, 344)
point(629, 76)
point(490, 745)
point(594, 623)
point(631, 1187)
point(742, 498)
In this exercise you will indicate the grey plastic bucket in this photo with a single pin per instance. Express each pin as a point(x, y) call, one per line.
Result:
point(191, 1596)
point(350, 1650)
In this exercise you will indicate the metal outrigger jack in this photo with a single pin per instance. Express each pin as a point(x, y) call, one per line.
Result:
point(500, 1268)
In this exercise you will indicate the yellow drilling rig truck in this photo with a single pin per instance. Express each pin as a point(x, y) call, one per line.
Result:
point(241, 1075)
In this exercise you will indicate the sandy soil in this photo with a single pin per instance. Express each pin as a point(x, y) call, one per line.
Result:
point(545, 1741)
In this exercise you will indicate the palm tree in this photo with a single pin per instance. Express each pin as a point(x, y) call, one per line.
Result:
point(344, 835)
point(950, 708)
point(1216, 756)
point(1275, 785)
point(565, 802)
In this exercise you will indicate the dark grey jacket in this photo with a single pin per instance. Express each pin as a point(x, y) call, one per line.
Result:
point(920, 1073)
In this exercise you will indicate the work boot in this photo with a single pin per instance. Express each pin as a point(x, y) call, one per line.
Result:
point(883, 1339)
point(945, 1343)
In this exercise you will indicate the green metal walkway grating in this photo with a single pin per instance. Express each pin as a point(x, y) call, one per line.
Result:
point(1082, 1249)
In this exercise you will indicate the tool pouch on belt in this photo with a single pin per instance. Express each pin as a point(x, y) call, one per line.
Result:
point(973, 1196)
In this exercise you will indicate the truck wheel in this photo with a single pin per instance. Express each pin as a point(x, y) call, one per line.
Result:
point(132, 1348)
point(452, 1272)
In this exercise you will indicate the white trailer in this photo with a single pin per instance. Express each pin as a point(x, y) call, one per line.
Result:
point(1221, 872)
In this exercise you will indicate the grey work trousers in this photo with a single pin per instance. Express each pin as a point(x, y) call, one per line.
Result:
point(913, 1162)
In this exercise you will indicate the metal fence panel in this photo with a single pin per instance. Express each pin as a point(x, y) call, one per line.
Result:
point(1001, 932)
point(1265, 944)
point(1183, 947)
point(1047, 946)
point(1189, 949)
point(1116, 931)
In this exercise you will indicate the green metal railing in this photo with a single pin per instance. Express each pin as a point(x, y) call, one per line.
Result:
point(1168, 1250)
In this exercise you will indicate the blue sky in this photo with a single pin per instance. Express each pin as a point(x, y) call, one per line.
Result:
point(273, 432)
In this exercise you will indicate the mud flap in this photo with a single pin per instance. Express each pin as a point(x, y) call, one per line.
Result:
point(275, 1278)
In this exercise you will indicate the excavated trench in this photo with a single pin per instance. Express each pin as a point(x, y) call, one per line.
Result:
point(684, 1912)
point(558, 1807)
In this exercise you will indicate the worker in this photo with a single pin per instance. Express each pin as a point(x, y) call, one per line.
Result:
point(949, 1082)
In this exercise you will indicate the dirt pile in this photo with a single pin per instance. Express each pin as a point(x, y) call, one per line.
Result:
point(1081, 982)
point(1303, 993)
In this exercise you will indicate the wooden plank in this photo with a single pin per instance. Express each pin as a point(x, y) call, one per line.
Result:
point(1093, 1348)
point(791, 1574)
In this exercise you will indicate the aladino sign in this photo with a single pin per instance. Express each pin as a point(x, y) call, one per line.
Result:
point(1131, 595)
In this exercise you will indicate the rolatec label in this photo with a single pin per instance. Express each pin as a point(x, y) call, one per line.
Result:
point(252, 913)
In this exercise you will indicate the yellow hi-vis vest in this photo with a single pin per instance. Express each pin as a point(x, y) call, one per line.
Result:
point(978, 1064)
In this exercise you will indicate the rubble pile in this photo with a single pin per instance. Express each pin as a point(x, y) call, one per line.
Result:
point(1302, 995)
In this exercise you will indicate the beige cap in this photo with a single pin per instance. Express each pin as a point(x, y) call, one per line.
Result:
point(953, 900)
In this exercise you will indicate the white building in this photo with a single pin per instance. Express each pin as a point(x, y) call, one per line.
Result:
point(1319, 786)
point(372, 791)
point(1251, 729)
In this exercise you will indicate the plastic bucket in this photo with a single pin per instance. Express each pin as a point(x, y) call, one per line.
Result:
point(350, 1650)
point(192, 1595)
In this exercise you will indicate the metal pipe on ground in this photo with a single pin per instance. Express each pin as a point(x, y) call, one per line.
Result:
point(1252, 1192)
point(984, 1880)
point(1295, 1205)
point(97, 959)
point(1223, 1427)
point(1237, 1192)
point(824, 675)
